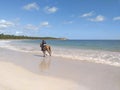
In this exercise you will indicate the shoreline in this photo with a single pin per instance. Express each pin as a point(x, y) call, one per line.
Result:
point(88, 75)
point(88, 55)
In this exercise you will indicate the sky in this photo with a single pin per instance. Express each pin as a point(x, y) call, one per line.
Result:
point(72, 19)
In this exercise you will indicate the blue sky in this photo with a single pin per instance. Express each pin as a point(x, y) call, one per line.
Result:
point(73, 19)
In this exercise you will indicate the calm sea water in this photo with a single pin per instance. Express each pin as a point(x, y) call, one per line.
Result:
point(108, 45)
point(98, 51)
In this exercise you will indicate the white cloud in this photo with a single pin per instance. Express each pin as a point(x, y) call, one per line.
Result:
point(5, 24)
point(67, 22)
point(18, 33)
point(87, 14)
point(31, 27)
point(51, 9)
point(44, 24)
point(31, 6)
point(116, 18)
point(98, 18)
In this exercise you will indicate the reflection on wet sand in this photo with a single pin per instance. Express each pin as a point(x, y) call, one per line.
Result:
point(45, 64)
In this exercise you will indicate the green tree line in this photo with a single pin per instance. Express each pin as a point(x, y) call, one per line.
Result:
point(3, 36)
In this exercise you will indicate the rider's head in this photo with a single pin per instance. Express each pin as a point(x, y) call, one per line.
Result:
point(42, 40)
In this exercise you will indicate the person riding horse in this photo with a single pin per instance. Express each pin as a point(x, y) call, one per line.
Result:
point(45, 47)
point(42, 45)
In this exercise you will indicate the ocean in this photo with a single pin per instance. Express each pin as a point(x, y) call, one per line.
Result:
point(97, 51)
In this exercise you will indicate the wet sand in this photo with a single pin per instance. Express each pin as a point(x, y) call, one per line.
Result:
point(27, 71)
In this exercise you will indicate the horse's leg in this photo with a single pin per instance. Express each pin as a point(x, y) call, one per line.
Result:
point(43, 54)
point(49, 51)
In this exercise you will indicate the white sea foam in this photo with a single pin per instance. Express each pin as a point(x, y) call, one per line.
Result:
point(7, 44)
point(97, 56)
point(3, 43)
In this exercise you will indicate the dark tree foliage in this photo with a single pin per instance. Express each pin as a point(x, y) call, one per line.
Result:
point(3, 36)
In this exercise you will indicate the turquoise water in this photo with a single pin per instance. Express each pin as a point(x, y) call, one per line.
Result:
point(108, 45)
point(97, 51)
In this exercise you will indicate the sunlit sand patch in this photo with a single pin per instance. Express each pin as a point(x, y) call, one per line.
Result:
point(13, 77)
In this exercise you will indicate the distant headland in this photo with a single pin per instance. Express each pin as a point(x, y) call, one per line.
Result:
point(5, 36)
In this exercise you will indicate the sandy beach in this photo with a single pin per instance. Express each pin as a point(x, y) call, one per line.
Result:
point(28, 71)
point(59, 44)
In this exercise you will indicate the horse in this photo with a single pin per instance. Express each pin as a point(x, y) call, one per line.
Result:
point(46, 48)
